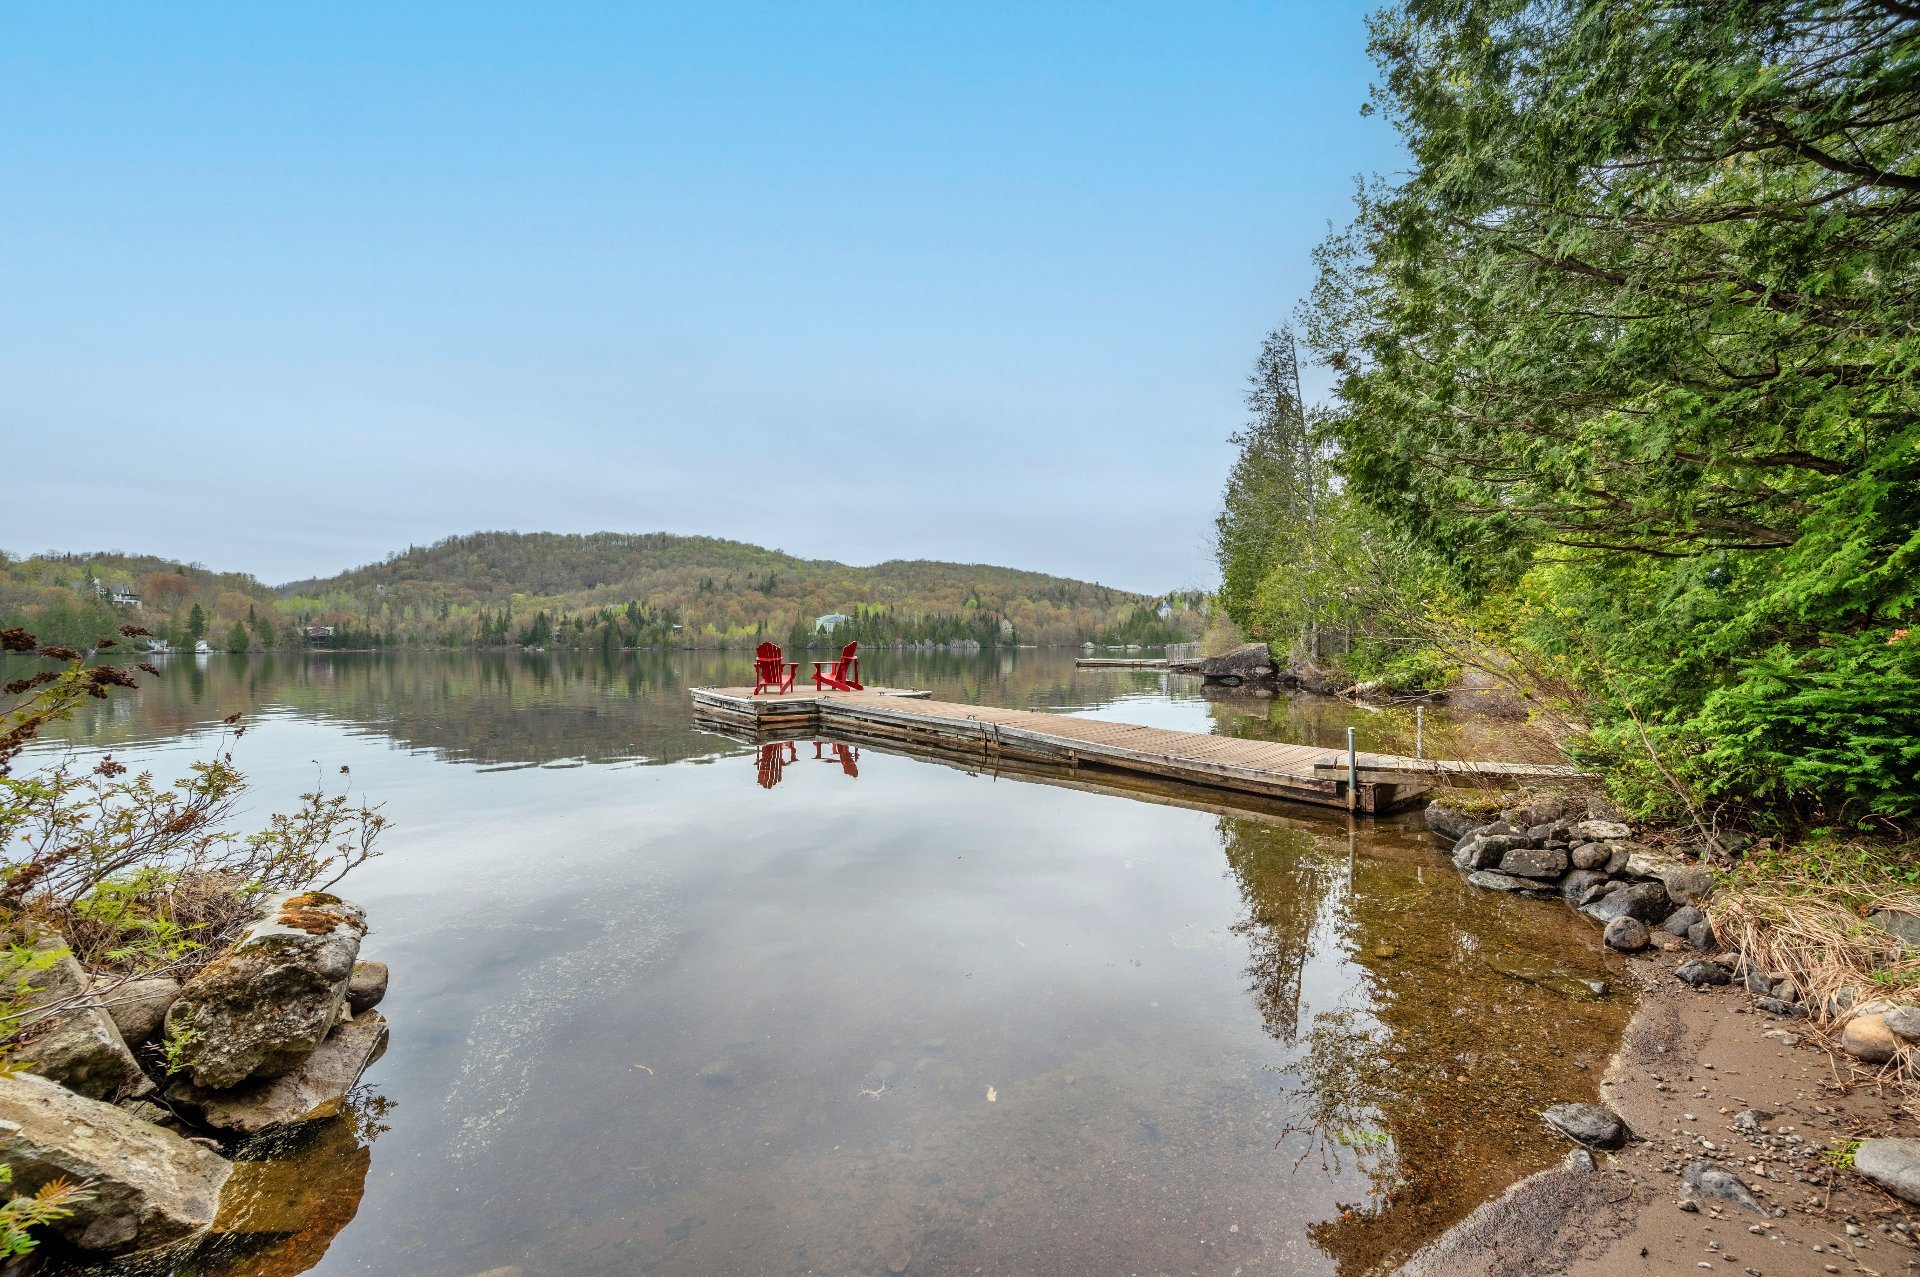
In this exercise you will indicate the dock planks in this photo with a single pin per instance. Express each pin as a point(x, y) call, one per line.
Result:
point(915, 720)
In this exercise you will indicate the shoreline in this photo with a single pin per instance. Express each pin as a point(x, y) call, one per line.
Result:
point(1690, 1062)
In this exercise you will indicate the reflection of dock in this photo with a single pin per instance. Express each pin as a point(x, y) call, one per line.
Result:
point(985, 732)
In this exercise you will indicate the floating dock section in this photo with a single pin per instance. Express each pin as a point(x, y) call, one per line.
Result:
point(985, 733)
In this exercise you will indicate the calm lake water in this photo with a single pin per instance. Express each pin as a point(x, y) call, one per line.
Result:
point(665, 1003)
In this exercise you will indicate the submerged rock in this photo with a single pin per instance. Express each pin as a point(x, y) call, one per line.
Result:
point(262, 1007)
point(1708, 1180)
point(1587, 1124)
point(316, 1088)
point(149, 1187)
point(1892, 1164)
point(68, 1037)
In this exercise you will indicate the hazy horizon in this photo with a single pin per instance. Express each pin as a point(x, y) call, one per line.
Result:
point(288, 290)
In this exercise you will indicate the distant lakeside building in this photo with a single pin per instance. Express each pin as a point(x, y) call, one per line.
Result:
point(830, 622)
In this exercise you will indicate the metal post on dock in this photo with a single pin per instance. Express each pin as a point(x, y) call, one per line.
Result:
point(1419, 728)
point(1353, 775)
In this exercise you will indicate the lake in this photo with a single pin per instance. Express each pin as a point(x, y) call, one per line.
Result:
point(666, 1003)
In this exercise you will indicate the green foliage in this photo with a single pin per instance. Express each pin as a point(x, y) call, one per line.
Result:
point(136, 876)
point(53, 1200)
point(1304, 567)
point(237, 639)
point(178, 1037)
point(1638, 333)
point(197, 623)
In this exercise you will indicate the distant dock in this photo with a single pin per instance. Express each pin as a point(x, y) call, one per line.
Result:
point(916, 721)
point(1121, 662)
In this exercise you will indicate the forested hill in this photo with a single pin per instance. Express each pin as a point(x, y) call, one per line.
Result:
point(605, 590)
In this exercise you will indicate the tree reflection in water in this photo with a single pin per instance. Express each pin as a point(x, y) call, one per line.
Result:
point(1429, 1023)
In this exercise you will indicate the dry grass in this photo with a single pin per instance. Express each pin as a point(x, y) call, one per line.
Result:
point(1801, 916)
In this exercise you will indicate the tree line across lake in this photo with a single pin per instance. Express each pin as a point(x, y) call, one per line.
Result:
point(605, 591)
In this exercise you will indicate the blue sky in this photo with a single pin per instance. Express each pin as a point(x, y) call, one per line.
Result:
point(283, 288)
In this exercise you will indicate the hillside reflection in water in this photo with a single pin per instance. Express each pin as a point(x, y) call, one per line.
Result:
point(702, 1008)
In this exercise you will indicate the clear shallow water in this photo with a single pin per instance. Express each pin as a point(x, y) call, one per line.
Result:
point(655, 1014)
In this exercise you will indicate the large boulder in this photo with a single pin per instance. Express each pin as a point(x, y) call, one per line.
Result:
point(148, 1186)
point(1591, 855)
point(261, 1008)
point(1598, 831)
point(1248, 663)
point(66, 1035)
point(1450, 822)
point(1687, 883)
point(1534, 862)
point(138, 1008)
point(1541, 809)
point(1484, 851)
point(1646, 901)
point(1627, 934)
point(316, 1088)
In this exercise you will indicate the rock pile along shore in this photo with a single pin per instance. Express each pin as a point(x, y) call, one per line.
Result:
point(1645, 898)
point(131, 1085)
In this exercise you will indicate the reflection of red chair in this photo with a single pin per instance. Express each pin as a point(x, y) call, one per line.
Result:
point(770, 671)
point(774, 756)
point(842, 675)
point(846, 755)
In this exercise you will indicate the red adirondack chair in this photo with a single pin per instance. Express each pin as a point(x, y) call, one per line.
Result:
point(772, 672)
point(842, 675)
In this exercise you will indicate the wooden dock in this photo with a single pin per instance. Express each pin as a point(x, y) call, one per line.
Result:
point(986, 733)
point(1121, 662)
